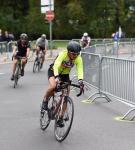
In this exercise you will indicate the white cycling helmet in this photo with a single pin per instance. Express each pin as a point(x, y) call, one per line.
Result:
point(85, 34)
point(43, 36)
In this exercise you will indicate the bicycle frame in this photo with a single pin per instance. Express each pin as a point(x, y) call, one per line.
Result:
point(63, 89)
point(61, 100)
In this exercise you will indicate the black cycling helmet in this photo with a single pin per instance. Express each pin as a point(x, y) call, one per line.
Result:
point(74, 47)
point(24, 36)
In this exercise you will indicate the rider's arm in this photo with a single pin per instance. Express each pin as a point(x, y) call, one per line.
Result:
point(58, 62)
point(28, 52)
point(89, 40)
point(37, 44)
point(79, 67)
point(14, 50)
point(46, 45)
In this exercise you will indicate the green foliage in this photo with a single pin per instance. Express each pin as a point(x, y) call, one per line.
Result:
point(72, 18)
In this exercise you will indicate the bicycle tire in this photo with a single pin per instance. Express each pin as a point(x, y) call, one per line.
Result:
point(35, 65)
point(44, 119)
point(68, 119)
point(39, 66)
point(16, 76)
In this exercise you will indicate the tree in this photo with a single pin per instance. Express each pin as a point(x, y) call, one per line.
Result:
point(130, 18)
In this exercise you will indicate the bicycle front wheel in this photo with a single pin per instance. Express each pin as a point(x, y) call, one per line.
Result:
point(62, 132)
point(16, 76)
point(39, 66)
point(35, 66)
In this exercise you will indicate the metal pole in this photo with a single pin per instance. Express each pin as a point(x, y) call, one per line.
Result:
point(50, 24)
point(50, 38)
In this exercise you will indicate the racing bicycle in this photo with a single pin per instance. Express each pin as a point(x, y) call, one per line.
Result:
point(38, 62)
point(55, 109)
point(18, 70)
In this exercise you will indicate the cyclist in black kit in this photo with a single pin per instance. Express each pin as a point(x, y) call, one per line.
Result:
point(22, 49)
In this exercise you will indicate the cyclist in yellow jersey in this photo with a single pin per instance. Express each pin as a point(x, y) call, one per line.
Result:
point(60, 69)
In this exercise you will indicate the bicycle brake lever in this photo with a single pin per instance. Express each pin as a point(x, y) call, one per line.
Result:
point(81, 91)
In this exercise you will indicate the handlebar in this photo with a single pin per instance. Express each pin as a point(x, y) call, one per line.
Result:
point(64, 85)
point(81, 89)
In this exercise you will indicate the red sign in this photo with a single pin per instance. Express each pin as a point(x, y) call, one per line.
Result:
point(49, 15)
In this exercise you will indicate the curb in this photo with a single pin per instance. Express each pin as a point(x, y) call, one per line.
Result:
point(5, 60)
point(10, 61)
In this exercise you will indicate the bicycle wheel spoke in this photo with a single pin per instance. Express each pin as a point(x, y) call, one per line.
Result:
point(44, 119)
point(60, 133)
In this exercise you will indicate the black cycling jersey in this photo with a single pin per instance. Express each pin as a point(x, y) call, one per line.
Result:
point(22, 48)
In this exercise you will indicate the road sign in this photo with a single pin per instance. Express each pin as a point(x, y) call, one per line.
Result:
point(47, 2)
point(47, 5)
point(49, 15)
point(45, 9)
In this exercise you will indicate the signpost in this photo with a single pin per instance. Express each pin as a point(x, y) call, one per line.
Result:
point(47, 7)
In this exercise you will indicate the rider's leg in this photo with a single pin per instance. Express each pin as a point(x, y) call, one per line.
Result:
point(49, 92)
point(43, 58)
point(14, 65)
point(24, 61)
point(37, 51)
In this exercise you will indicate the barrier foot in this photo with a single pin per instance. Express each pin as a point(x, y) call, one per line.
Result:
point(126, 115)
point(101, 95)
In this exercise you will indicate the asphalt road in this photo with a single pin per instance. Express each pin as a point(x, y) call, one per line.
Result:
point(94, 126)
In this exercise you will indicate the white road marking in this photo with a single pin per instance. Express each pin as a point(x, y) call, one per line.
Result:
point(1, 73)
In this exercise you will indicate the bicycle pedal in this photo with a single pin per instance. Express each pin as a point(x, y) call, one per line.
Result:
point(66, 119)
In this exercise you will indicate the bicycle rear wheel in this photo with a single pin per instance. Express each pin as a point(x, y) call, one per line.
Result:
point(62, 132)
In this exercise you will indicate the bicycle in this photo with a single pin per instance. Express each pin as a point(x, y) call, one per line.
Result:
point(18, 70)
point(55, 109)
point(38, 62)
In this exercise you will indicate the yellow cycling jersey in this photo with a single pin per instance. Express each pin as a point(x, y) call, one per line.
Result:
point(63, 64)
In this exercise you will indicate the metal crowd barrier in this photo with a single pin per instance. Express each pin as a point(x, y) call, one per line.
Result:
point(113, 49)
point(7, 48)
point(117, 79)
point(110, 77)
point(92, 73)
point(3, 47)
point(10, 46)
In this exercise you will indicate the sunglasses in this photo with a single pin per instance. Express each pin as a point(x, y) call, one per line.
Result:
point(73, 53)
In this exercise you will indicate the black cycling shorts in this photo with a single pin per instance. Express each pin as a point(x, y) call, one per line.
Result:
point(63, 77)
point(42, 48)
point(20, 54)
